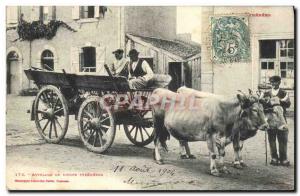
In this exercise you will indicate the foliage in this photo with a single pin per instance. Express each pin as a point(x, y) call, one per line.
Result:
point(37, 29)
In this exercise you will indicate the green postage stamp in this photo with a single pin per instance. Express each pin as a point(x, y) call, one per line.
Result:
point(230, 39)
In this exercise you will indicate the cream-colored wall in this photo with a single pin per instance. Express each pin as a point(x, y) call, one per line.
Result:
point(189, 21)
point(152, 21)
point(227, 78)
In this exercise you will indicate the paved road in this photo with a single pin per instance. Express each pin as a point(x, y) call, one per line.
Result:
point(34, 164)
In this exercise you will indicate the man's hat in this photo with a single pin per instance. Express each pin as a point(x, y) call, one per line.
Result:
point(133, 52)
point(275, 79)
point(118, 51)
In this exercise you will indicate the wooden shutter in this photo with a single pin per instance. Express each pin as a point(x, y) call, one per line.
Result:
point(39, 62)
point(96, 15)
point(53, 12)
point(35, 13)
point(75, 59)
point(75, 12)
point(100, 60)
point(12, 14)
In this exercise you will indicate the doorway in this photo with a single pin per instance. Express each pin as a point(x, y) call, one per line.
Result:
point(13, 75)
point(175, 71)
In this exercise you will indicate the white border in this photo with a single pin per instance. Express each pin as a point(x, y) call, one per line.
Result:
point(3, 3)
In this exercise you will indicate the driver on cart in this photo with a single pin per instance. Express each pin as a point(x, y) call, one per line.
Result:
point(139, 71)
point(119, 66)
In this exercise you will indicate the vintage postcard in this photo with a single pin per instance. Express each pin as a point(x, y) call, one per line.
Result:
point(146, 98)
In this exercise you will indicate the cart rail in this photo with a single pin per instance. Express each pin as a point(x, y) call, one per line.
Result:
point(67, 80)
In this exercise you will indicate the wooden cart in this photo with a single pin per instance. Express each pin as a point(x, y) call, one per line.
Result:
point(92, 100)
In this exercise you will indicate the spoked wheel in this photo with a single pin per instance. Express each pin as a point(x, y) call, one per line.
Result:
point(51, 114)
point(141, 133)
point(96, 125)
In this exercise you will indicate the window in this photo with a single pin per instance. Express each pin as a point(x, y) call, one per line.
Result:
point(287, 48)
point(287, 69)
point(13, 56)
point(87, 11)
point(88, 59)
point(267, 65)
point(267, 49)
point(277, 58)
point(47, 13)
point(44, 12)
point(47, 60)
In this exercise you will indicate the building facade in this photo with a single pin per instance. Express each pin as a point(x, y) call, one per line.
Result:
point(99, 31)
point(243, 46)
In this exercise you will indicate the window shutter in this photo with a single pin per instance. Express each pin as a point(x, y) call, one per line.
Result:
point(75, 12)
point(81, 60)
point(12, 14)
point(100, 60)
point(96, 12)
point(74, 60)
point(52, 13)
point(35, 13)
point(39, 62)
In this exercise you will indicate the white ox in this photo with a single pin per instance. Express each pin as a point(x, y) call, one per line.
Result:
point(210, 117)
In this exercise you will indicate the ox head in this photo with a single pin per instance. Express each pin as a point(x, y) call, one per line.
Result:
point(252, 114)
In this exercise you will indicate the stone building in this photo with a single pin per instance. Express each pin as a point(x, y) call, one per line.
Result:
point(242, 47)
point(99, 31)
point(267, 47)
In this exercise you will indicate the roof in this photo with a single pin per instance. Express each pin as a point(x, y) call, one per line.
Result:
point(177, 47)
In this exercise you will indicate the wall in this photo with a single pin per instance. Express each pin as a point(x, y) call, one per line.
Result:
point(227, 78)
point(104, 34)
point(151, 21)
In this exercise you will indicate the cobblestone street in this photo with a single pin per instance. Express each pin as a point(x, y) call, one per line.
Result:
point(27, 153)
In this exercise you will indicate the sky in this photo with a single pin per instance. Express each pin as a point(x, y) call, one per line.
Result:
point(189, 21)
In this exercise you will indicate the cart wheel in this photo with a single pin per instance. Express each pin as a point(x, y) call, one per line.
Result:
point(141, 134)
point(96, 125)
point(51, 114)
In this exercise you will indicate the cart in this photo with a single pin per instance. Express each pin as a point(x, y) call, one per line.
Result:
point(92, 100)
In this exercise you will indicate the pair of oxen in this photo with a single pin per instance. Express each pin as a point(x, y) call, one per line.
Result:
point(191, 115)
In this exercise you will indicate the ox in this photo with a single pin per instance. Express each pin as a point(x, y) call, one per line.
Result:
point(241, 130)
point(274, 114)
point(210, 119)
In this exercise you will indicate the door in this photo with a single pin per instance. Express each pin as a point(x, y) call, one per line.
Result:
point(14, 79)
point(277, 58)
point(175, 71)
point(13, 74)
